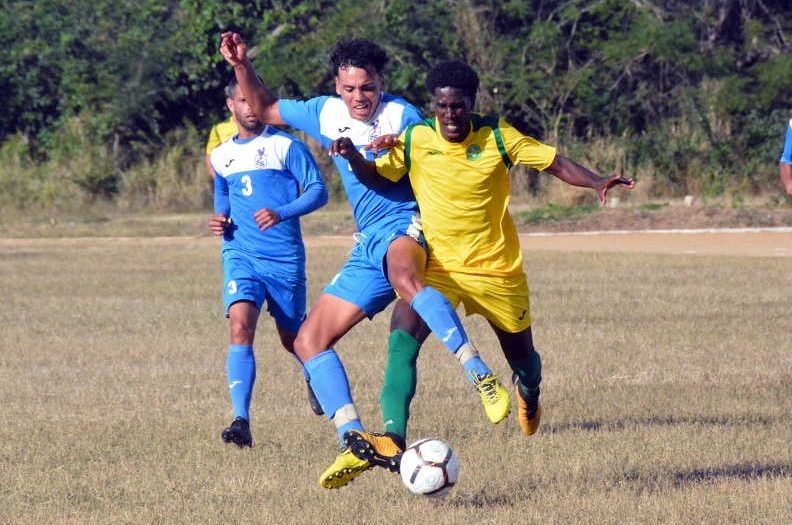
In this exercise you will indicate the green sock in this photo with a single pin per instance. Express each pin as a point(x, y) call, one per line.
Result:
point(529, 370)
point(401, 375)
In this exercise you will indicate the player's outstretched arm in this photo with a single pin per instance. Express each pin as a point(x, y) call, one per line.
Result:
point(573, 173)
point(364, 170)
point(263, 103)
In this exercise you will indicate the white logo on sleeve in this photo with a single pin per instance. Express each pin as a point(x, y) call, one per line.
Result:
point(231, 287)
point(232, 384)
point(450, 332)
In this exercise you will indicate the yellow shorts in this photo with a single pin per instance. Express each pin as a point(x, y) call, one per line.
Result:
point(501, 300)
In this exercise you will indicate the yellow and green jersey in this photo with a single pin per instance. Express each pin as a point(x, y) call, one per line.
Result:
point(220, 132)
point(463, 191)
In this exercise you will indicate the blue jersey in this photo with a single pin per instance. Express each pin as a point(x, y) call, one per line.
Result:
point(786, 155)
point(327, 119)
point(272, 170)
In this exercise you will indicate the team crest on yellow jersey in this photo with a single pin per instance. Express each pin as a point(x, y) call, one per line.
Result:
point(473, 152)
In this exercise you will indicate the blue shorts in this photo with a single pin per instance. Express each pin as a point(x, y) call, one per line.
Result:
point(363, 280)
point(247, 278)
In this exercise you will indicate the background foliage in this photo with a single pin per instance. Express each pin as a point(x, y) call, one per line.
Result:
point(111, 100)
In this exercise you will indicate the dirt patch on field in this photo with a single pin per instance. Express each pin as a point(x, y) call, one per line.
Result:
point(736, 242)
point(666, 218)
point(340, 222)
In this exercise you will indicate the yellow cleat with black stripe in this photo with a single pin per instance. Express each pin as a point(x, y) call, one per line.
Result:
point(344, 469)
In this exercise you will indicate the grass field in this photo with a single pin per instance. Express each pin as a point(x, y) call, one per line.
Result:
point(667, 396)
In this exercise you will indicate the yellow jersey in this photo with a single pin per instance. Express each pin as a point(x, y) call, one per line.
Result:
point(463, 191)
point(220, 132)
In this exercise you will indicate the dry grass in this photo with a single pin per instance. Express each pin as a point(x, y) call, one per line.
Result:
point(667, 395)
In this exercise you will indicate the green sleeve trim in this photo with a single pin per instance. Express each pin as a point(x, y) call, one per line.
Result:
point(492, 122)
point(408, 140)
point(502, 147)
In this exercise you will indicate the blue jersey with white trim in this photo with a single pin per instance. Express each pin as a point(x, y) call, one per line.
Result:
point(327, 118)
point(786, 155)
point(272, 170)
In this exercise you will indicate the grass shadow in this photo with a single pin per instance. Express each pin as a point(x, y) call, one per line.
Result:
point(683, 479)
point(716, 421)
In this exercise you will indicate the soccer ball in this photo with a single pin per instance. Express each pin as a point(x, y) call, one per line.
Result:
point(429, 467)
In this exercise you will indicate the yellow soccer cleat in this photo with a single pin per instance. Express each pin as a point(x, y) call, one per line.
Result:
point(381, 450)
point(529, 410)
point(494, 397)
point(344, 469)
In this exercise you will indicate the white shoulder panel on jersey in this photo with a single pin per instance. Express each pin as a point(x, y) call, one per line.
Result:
point(335, 122)
point(265, 152)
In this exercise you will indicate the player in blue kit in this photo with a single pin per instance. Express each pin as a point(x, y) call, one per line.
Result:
point(390, 254)
point(785, 164)
point(265, 180)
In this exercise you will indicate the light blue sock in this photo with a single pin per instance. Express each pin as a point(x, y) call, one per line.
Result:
point(331, 387)
point(440, 317)
point(241, 373)
point(475, 365)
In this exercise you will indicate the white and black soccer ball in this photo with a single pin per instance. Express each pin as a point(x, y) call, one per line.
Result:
point(429, 467)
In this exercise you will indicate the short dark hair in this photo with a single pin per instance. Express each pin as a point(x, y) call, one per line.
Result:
point(453, 73)
point(358, 52)
point(230, 88)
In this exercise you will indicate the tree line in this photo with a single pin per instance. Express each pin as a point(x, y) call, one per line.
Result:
point(101, 97)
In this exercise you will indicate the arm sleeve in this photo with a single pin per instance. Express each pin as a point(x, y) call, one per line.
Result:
point(222, 203)
point(526, 150)
point(410, 116)
point(392, 165)
point(302, 166)
point(303, 115)
point(786, 155)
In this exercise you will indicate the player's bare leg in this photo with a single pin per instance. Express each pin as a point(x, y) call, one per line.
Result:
point(287, 340)
point(329, 319)
point(241, 371)
point(406, 268)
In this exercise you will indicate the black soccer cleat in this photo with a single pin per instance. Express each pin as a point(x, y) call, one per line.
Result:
point(238, 433)
point(315, 405)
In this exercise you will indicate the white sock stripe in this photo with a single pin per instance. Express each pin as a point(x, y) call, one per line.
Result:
point(345, 414)
point(466, 352)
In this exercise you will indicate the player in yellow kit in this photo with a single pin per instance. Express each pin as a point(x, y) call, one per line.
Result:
point(458, 163)
point(220, 132)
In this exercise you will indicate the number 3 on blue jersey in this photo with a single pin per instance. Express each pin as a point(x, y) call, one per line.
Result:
point(247, 191)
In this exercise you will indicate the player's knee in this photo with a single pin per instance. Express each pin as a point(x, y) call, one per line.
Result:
point(407, 320)
point(308, 343)
point(406, 284)
point(242, 332)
